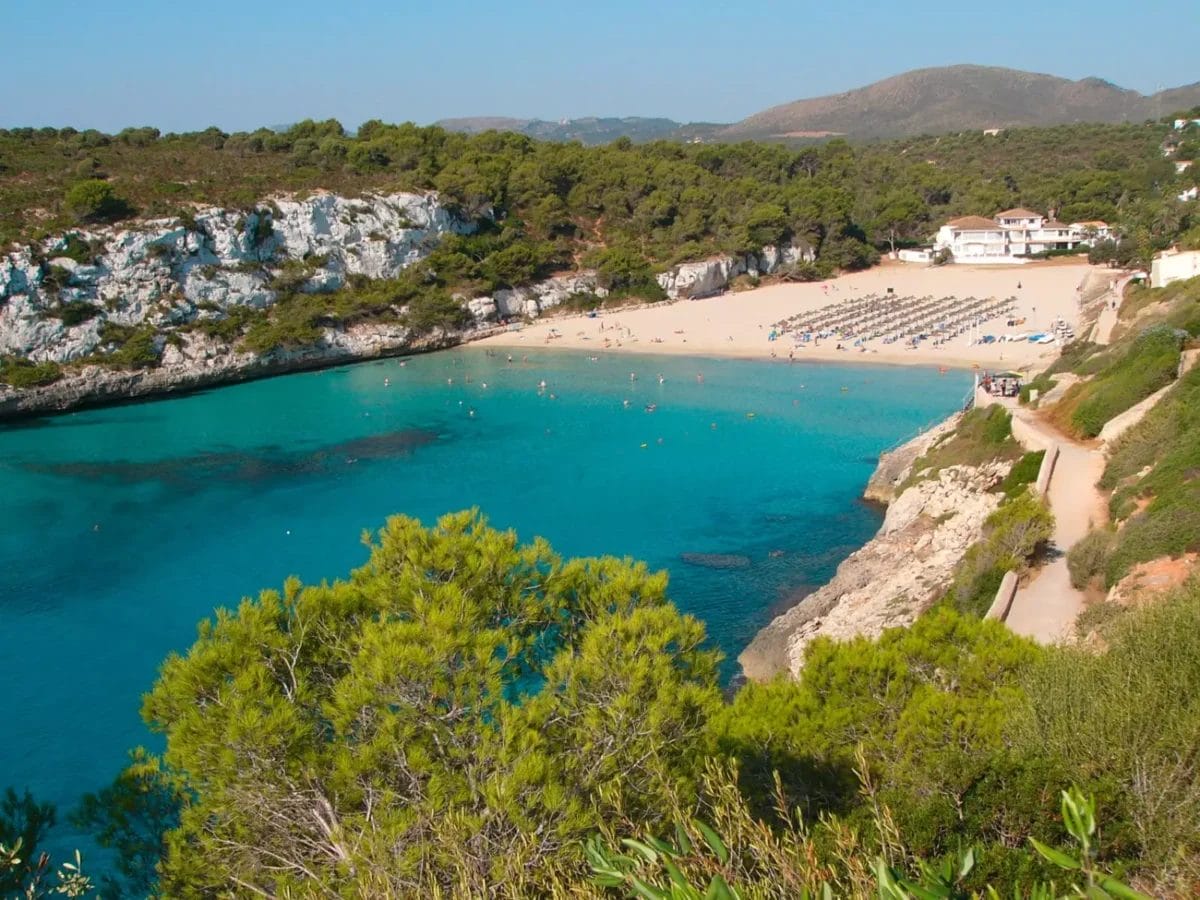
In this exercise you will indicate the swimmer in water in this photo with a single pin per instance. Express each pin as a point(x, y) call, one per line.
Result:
point(387, 382)
point(633, 376)
point(661, 380)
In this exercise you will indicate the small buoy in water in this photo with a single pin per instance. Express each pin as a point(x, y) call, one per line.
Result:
point(713, 426)
point(289, 531)
point(484, 385)
point(96, 527)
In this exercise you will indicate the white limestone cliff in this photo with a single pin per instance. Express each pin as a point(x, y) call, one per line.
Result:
point(168, 272)
point(711, 276)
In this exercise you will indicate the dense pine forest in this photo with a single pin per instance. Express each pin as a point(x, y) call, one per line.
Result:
point(554, 203)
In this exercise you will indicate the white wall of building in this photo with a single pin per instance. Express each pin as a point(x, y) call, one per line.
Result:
point(1168, 267)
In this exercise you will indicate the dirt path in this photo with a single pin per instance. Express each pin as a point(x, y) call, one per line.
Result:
point(1045, 609)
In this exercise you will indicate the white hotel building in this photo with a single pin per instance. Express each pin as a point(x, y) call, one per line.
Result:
point(1011, 236)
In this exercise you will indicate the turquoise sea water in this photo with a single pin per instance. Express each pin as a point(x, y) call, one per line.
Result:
point(124, 526)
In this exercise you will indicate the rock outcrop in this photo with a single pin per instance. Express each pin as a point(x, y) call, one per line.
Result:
point(711, 276)
point(894, 465)
point(56, 297)
point(896, 576)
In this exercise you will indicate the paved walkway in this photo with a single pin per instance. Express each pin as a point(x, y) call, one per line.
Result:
point(1105, 324)
point(1102, 333)
point(1045, 609)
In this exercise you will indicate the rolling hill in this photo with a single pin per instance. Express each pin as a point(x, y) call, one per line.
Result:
point(958, 98)
point(923, 101)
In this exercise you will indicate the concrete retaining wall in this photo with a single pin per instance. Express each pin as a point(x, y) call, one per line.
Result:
point(1029, 437)
point(1004, 598)
point(1047, 470)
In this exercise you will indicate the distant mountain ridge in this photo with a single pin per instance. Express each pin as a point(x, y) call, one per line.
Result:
point(923, 101)
point(960, 98)
point(588, 130)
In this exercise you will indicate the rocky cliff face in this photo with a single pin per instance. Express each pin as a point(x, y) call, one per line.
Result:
point(711, 276)
point(894, 577)
point(895, 465)
point(59, 300)
point(167, 272)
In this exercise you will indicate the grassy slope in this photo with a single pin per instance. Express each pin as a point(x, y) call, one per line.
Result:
point(1154, 468)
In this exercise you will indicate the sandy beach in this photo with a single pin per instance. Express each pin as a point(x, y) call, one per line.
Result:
point(739, 324)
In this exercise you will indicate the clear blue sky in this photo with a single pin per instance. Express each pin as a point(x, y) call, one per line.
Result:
point(238, 65)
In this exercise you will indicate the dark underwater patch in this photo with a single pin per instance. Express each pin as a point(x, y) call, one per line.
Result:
point(246, 466)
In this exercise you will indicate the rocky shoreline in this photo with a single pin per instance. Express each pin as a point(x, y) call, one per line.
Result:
point(96, 386)
point(62, 301)
point(901, 571)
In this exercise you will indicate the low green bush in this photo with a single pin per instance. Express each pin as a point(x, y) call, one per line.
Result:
point(126, 347)
point(1098, 617)
point(1088, 559)
point(229, 327)
point(1024, 471)
point(21, 373)
point(1169, 526)
point(286, 332)
point(75, 312)
point(1131, 717)
point(82, 251)
point(1012, 536)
